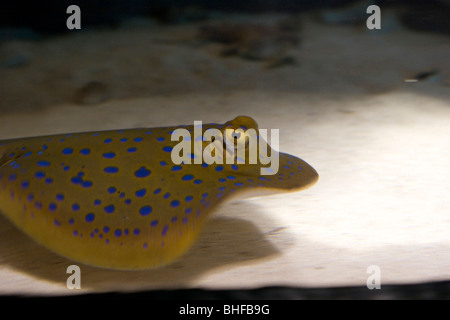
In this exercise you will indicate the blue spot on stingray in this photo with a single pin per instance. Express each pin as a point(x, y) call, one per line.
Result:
point(108, 140)
point(164, 231)
point(52, 206)
point(30, 197)
point(234, 167)
point(188, 198)
point(97, 202)
point(75, 207)
point(205, 165)
point(167, 149)
point(136, 231)
point(160, 139)
point(122, 195)
point(39, 174)
point(222, 188)
point(157, 191)
point(49, 180)
point(67, 151)
point(127, 201)
point(198, 181)
point(57, 223)
point(222, 180)
point(71, 221)
point(111, 169)
point(204, 195)
point(109, 209)
point(131, 150)
point(185, 220)
point(138, 139)
point(142, 172)
point(76, 180)
point(176, 168)
point(175, 203)
point(219, 168)
point(28, 154)
point(106, 229)
point(112, 189)
point(89, 217)
point(123, 140)
point(109, 155)
point(66, 168)
point(167, 195)
point(141, 193)
point(148, 132)
point(239, 184)
point(59, 197)
point(86, 184)
point(125, 232)
point(187, 177)
point(154, 223)
point(188, 210)
point(118, 232)
point(231, 177)
point(25, 184)
point(43, 163)
point(145, 210)
point(85, 151)
point(163, 163)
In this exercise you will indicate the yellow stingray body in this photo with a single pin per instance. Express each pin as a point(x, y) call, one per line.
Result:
point(115, 199)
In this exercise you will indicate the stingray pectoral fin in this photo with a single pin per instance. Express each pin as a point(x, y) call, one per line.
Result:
point(300, 174)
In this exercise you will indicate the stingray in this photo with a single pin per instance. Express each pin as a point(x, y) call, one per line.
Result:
point(116, 199)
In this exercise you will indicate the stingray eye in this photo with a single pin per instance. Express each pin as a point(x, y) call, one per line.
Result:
point(236, 135)
point(235, 139)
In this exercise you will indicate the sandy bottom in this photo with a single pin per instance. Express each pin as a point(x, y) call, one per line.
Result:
point(381, 146)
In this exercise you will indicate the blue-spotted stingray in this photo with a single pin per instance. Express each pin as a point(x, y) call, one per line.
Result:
point(115, 199)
